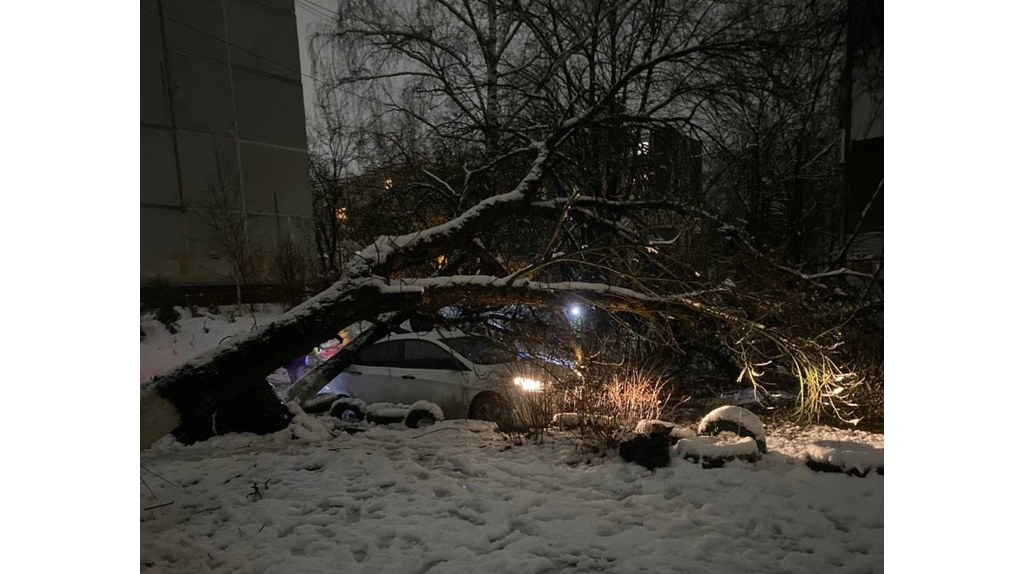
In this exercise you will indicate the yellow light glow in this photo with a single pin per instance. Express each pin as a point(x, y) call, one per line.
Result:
point(388, 183)
point(341, 213)
point(531, 385)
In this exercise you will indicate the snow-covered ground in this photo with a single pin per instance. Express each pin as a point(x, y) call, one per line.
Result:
point(161, 350)
point(458, 498)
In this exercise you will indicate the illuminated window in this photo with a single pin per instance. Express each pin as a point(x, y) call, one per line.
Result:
point(387, 183)
point(341, 213)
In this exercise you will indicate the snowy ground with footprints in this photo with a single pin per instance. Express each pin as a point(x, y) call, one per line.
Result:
point(458, 497)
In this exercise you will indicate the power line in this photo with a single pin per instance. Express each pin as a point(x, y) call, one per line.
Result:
point(233, 45)
point(315, 9)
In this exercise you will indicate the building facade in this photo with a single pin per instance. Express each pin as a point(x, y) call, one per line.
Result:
point(223, 139)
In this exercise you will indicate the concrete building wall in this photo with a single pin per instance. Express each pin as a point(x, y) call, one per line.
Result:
point(221, 113)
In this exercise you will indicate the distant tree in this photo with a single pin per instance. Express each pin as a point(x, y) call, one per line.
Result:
point(229, 234)
point(292, 267)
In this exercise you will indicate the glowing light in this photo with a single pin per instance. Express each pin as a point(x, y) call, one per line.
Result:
point(388, 183)
point(575, 311)
point(530, 385)
point(341, 213)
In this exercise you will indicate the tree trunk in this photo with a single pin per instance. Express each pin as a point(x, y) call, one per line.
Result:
point(307, 387)
point(216, 378)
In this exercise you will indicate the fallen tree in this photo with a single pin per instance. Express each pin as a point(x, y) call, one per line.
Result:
point(539, 207)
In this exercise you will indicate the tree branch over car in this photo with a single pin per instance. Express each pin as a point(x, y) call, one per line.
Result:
point(533, 114)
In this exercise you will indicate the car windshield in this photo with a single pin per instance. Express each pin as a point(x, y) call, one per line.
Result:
point(480, 351)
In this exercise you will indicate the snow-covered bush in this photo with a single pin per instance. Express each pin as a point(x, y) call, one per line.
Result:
point(160, 298)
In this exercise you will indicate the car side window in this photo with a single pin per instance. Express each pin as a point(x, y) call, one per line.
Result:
point(424, 355)
point(386, 354)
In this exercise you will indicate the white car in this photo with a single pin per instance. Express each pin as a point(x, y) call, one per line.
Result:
point(466, 376)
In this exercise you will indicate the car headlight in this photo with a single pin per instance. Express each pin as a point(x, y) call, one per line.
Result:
point(528, 384)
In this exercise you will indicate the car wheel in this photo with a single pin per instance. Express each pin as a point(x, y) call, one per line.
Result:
point(348, 410)
point(489, 407)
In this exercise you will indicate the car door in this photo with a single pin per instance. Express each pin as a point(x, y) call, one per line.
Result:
point(371, 375)
point(430, 373)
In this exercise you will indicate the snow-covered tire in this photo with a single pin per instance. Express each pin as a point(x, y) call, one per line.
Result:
point(714, 452)
point(735, 420)
point(851, 458)
point(423, 413)
point(566, 421)
point(673, 431)
point(419, 418)
point(348, 409)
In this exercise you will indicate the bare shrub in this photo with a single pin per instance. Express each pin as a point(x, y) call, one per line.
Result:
point(293, 268)
point(532, 412)
point(612, 399)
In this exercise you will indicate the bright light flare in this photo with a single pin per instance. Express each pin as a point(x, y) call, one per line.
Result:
point(575, 311)
point(527, 384)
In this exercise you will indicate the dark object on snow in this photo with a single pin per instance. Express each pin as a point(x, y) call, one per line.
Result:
point(256, 409)
point(649, 451)
point(320, 404)
point(825, 467)
point(418, 418)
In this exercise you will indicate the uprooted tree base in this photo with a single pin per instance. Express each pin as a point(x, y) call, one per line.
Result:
point(255, 409)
